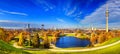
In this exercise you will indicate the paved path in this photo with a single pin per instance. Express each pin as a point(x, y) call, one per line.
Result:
point(54, 47)
point(78, 50)
point(82, 50)
point(16, 46)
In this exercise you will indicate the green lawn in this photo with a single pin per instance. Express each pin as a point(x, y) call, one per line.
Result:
point(12, 42)
point(70, 34)
point(109, 41)
point(8, 49)
point(73, 34)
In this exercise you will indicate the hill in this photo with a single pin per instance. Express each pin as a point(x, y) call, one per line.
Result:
point(8, 49)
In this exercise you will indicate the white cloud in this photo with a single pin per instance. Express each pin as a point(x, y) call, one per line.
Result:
point(11, 21)
point(66, 7)
point(9, 12)
point(45, 5)
point(98, 17)
point(71, 11)
point(60, 20)
point(6, 21)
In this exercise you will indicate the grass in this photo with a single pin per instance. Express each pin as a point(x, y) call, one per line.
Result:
point(109, 41)
point(73, 34)
point(110, 50)
point(12, 42)
point(70, 34)
point(83, 37)
point(8, 49)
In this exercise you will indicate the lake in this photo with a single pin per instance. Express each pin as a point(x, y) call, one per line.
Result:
point(69, 41)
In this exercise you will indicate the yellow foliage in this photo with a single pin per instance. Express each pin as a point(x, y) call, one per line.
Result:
point(21, 39)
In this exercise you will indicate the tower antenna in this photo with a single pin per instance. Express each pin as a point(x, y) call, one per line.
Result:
point(107, 15)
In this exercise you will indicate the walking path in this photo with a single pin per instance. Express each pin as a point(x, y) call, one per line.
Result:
point(88, 49)
point(16, 46)
point(56, 49)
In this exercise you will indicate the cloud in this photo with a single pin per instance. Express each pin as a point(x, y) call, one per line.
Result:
point(98, 17)
point(45, 5)
point(71, 11)
point(5, 21)
point(1, 13)
point(60, 20)
point(67, 6)
point(11, 21)
point(16, 13)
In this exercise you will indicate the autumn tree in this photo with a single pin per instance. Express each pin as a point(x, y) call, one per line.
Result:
point(110, 35)
point(93, 38)
point(6, 35)
point(46, 43)
point(29, 39)
point(36, 42)
point(21, 39)
point(2, 34)
point(101, 38)
point(55, 36)
point(49, 32)
point(78, 33)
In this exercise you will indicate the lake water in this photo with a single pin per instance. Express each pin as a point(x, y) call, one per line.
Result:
point(66, 42)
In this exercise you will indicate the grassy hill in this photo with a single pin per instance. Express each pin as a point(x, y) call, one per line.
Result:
point(8, 49)
point(109, 41)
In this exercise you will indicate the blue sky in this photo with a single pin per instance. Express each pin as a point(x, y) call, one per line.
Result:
point(60, 12)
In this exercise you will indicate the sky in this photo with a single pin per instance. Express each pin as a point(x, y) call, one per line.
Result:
point(66, 13)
